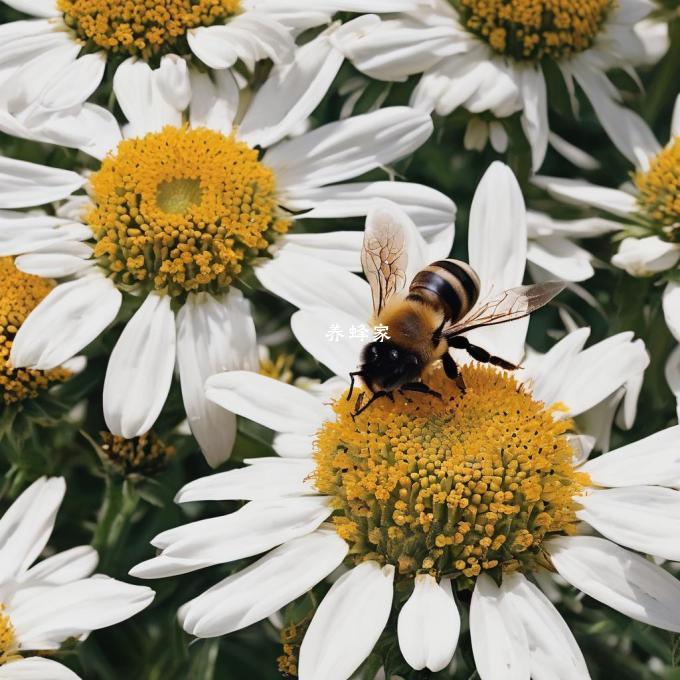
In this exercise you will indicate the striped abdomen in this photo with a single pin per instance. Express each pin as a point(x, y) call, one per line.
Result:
point(450, 284)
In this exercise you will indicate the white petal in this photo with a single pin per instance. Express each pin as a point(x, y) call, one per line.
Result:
point(36, 668)
point(27, 233)
point(64, 567)
point(27, 525)
point(67, 320)
point(249, 36)
point(601, 370)
point(271, 403)
point(213, 335)
point(618, 578)
point(429, 624)
point(535, 112)
point(562, 258)
point(140, 369)
point(141, 99)
point(499, 643)
point(312, 328)
point(671, 308)
point(24, 184)
point(339, 248)
point(75, 83)
point(265, 478)
point(266, 586)
point(36, 8)
point(552, 646)
point(289, 445)
point(257, 527)
point(173, 83)
point(675, 122)
point(644, 518)
point(578, 191)
point(214, 102)
point(432, 212)
point(672, 372)
point(291, 93)
point(76, 608)
point(53, 265)
point(498, 216)
point(310, 284)
point(652, 460)
point(347, 623)
point(646, 256)
point(348, 148)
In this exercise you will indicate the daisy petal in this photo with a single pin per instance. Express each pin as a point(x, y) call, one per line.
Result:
point(347, 148)
point(311, 284)
point(24, 184)
point(652, 460)
point(272, 403)
point(644, 518)
point(75, 83)
point(213, 335)
point(264, 587)
point(214, 103)
point(347, 623)
point(551, 644)
point(535, 113)
point(76, 608)
point(35, 8)
point(671, 307)
point(339, 248)
point(27, 525)
point(499, 643)
point(55, 265)
point(291, 93)
point(36, 668)
point(289, 445)
point(67, 320)
point(675, 122)
point(618, 578)
point(429, 624)
point(580, 192)
point(64, 567)
point(672, 372)
point(264, 478)
point(140, 369)
point(498, 216)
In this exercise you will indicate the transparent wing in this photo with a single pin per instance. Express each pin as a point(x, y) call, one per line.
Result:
point(383, 256)
point(512, 304)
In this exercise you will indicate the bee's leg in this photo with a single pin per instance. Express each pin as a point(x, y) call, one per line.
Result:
point(452, 372)
point(479, 353)
point(375, 397)
point(351, 383)
point(420, 387)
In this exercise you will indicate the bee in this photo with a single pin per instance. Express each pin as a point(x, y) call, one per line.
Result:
point(442, 303)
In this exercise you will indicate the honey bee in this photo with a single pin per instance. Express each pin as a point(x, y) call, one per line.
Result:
point(441, 304)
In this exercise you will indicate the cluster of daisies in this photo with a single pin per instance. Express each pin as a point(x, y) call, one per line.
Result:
point(184, 188)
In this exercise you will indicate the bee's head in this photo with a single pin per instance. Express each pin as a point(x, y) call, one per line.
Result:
point(386, 366)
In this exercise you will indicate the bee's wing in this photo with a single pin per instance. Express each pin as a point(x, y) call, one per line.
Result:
point(515, 303)
point(383, 256)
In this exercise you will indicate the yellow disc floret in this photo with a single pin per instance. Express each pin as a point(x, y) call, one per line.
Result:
point(8, 642)
point(141, 27)
point(659, 187)
point(182, 210)
point(533, 29)
point(145, 455)
point(19, 295)
point(457, 486)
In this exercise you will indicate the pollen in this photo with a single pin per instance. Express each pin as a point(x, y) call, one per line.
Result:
point(182, 210)
point(529, 30)
point(19, 295)
point(458, 486)
point(659, 188)
point(141, 27)
point(8, 641)
point(144, 455)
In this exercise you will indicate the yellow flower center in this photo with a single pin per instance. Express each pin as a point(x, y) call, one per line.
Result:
point(141, 27)
point(19, 295)
point(659, 188)
point(8, 642)
point(454, 487)
point(183, 210)
point(145, 455)
point(533, 29)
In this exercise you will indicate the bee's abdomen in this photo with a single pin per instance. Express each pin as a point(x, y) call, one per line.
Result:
point(451, 283)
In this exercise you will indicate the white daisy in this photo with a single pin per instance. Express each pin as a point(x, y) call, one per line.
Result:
point(53, 61)
point(426, 498)
point(646, 211)
point(44, 604)
point(154, 224)
point(489, 55)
